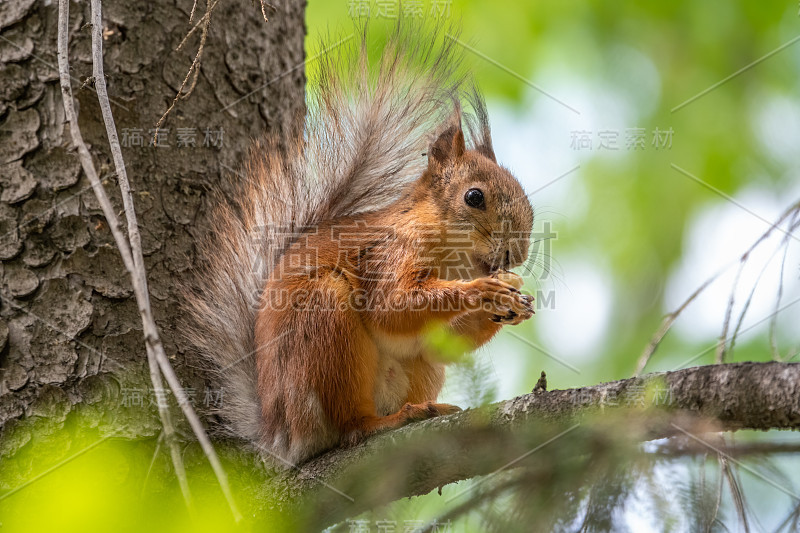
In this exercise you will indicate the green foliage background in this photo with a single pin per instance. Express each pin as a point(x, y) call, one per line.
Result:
point(638, 208)
point(637, 211)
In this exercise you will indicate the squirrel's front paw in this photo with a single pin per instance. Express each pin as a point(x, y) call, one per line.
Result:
point(512, 317)
point(502, 300)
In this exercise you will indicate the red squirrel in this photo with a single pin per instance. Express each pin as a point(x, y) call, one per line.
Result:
point(387, 217)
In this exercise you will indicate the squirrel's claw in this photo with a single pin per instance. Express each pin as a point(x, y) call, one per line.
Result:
point(515, 317)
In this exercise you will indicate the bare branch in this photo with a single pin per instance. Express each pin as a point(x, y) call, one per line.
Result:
point(132, 264)
point(194, 68)
point(793, 225)
point(476, 442)
point(722, 343)
point(133, 234)
point(666, 325)
point(669, 320)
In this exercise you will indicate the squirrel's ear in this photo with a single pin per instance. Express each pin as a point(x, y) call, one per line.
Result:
point(447, 148)
point(487, 150)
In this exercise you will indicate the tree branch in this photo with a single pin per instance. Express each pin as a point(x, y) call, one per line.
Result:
point(134, 237)
point(130, 250)
point(345, 482)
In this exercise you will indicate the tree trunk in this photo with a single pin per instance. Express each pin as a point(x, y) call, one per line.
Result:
point(70, 333)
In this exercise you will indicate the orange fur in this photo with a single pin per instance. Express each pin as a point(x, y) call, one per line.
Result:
point(334, 350)
point(338, 253)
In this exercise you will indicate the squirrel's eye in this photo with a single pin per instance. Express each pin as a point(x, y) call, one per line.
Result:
point(474, 198)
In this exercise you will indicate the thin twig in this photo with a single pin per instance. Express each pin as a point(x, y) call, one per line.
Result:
point(197, 25)
point(722, 349)
point(152, 462)
point(669, 320)
point(746, 306)
point(666, 324)
point(773, 341)
point(719, 357)
point(133, 236)
point(194, 68)
point(785, 245)
point(791, 521)
point(736, 491)
point(264, 9)
point(152, 340)
point(194, 8)
point(678, 448)
point(718, 501)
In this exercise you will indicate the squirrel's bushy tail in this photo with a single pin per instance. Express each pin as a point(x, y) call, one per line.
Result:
point(367, 128)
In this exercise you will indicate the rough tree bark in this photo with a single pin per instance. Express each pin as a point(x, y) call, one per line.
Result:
point(70, 334)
